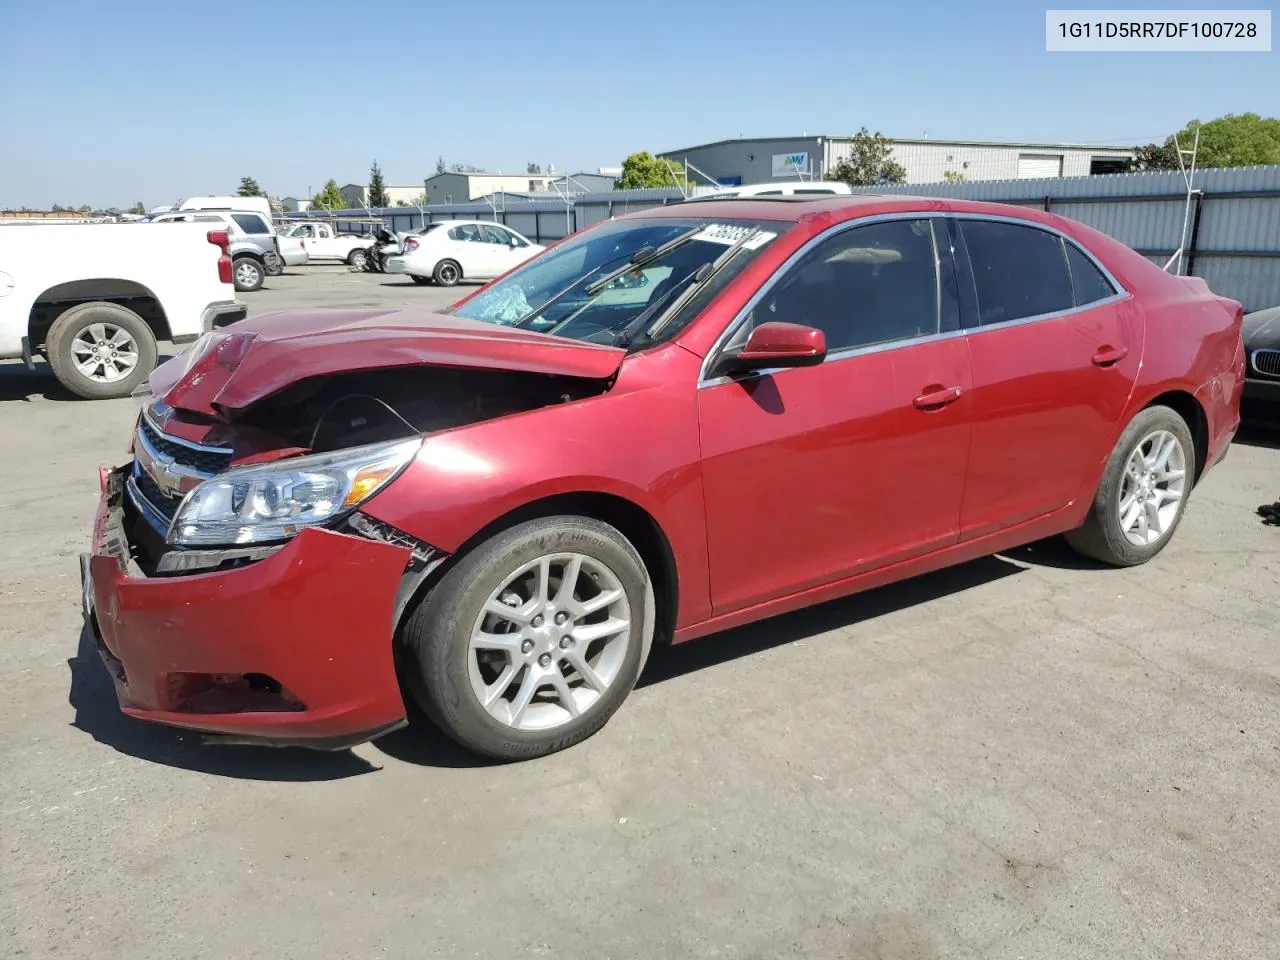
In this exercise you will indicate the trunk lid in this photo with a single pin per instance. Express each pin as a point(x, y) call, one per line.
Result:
point(232, 369)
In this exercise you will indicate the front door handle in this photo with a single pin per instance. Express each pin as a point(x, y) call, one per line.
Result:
point(936, 397)
point(1108, 355)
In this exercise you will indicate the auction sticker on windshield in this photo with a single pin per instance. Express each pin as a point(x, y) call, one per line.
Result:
point(730, 233)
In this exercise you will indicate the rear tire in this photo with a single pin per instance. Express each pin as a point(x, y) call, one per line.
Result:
point(91, 343)
point(454, 673)
point(1133, 516)
point(248, 274)
point(447, 273)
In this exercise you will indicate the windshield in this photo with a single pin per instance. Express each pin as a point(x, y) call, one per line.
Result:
point(648, 268)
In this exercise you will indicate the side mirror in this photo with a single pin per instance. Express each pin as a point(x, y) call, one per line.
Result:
point(777, 344)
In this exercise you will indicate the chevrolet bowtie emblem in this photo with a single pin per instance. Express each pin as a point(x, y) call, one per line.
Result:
point(173, 479)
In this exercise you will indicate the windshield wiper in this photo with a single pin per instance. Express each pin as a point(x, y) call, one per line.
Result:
point(690, 283)
point(635, 259)
point(641, 258)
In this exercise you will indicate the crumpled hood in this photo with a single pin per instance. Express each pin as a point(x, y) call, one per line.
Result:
point(237, 366)
point(1262, 328)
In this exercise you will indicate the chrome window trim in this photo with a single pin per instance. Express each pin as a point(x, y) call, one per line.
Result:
point(727, 334)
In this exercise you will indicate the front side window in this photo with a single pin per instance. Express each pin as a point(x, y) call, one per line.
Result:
point(865, 286)
point(1018, 271)
point(497, 235)
point(616, 282)
point(250, 223)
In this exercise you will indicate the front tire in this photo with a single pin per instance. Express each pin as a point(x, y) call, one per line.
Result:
point(101, 350)
point(447, 273)
point(1143, 492)
point(531, 642)
point(248, 274)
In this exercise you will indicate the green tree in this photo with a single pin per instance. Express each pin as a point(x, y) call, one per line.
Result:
point(377, 188)
point(440, 164)
point(1234, 140)
point(1155, 156)
point(138, 208)
point(249, 188)
point(533, 168)
point(330, 198)
point(643, 169)
point(953, 176)
point(402, 203)
point(870, 162)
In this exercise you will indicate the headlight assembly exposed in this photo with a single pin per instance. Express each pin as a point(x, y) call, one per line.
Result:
point(273, 502)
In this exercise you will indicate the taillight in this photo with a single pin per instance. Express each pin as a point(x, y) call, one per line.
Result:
point(220, 240)
point(410, 245)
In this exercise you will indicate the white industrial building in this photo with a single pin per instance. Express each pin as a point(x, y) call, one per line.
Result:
point(733, 162)
point(456, 187)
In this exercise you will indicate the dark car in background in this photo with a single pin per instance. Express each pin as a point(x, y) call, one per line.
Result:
point(1261, 331)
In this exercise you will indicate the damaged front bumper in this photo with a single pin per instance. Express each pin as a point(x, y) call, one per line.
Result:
point(291, 649)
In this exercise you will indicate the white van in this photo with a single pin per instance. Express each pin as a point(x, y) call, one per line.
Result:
point(257, 204)
point(794, 189)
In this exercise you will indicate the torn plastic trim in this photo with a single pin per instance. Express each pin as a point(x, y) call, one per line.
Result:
point(423, 562)
point(197, 561)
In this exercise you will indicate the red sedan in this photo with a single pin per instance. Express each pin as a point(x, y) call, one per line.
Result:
point(668, 424)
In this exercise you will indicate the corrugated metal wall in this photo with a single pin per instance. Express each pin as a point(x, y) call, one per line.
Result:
point(1233, 239)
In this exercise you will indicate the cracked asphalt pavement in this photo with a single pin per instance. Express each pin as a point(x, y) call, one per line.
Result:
point(1024, 756)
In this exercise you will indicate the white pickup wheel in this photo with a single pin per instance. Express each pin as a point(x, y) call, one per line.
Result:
point(101, 350)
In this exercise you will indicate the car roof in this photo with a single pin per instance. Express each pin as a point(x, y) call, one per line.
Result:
point(835, 207)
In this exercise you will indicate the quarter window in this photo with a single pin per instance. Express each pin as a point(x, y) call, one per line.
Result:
point(864, 286)
point(1087, 280)
point(1018, 272)
point(249, 223)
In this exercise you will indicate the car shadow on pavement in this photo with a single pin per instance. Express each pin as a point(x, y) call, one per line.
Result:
point(667, 663)
point(1259, 435)
point(19, 383)
point(93, 698)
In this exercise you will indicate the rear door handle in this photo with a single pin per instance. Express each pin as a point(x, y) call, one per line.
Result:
point(1108, 355)
point(935, 397)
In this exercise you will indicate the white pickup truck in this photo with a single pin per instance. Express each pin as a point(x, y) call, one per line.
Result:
point(325, 242)
point(93, 299)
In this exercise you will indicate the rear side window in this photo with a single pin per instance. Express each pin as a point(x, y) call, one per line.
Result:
point(249, 223)
point(1087, 280)
point(1018, 272)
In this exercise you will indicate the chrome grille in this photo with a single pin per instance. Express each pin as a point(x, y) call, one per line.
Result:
point(204, 459)
point(1267, 362)
point(160, 501)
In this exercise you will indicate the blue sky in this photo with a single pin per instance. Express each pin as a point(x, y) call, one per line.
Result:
point(112, 101)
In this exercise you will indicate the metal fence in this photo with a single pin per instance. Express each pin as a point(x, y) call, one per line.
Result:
point(1231, 238)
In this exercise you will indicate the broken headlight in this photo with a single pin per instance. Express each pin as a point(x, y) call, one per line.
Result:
point(273, 502)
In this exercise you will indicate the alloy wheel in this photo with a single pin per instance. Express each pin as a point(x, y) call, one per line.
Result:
point(1152, 488)
point(247, 274)
point(104, 352)
point(549, 641)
